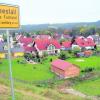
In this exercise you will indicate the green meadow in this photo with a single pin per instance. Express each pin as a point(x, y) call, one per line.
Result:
point(41, 71)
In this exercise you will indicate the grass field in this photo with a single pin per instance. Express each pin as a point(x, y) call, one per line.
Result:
point(28, 72)
point(93, 61)
point(89, 87)
point(31, 92)
point(42, 71)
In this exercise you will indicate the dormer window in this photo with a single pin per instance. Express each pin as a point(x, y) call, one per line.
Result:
point(51, 47)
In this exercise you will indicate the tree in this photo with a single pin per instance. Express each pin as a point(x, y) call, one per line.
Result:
point(98, 31)
point(5, 37)
point(62, 40)
point(76, 49)
point(62, 56)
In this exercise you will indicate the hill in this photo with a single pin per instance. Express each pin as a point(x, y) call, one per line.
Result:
point(29, 28)
point(35, 27)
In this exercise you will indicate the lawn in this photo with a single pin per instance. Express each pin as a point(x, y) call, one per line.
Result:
point(27, 72)
point(89, 87)
point(42, 71)
point(31, 72)
point(93, 61)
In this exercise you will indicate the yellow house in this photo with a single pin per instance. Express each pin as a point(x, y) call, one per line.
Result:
point(2, 55)
point(17, 52)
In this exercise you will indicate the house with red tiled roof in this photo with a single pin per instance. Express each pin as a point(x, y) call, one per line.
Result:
point(79, 42)
point(66, 45)
point(51, 46)
point(26, 43)
point(64, 69)
point(96, 38)
point(87, 43)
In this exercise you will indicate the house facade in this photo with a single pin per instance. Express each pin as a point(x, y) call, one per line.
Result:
point(64, 69)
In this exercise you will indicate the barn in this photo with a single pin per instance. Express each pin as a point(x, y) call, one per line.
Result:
point(64, 69)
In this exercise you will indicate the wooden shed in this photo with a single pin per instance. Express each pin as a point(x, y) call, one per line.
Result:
point(64, 69)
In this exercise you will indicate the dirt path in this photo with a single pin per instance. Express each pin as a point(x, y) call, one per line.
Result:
point(77, 93)
point(4, 90)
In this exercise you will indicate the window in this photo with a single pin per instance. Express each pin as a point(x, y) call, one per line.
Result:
point(51, 47)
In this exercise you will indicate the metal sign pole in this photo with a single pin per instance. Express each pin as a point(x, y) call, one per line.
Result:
point(10, 65)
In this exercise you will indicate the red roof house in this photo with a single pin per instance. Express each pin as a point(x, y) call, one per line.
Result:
point(66, 45)
point(51, 46)
point(26, 43)
point(64, 69)
point(80, 42)
point(84, 42)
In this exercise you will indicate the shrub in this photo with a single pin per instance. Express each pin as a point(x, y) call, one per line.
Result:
point(18, 61)
point(90, 69)
point(98, 49)
point(0, 62)
point(69, 51)
point(76, 49)
point(45, 54)
point(62, 40)
point(62, 56)
point(51, 60)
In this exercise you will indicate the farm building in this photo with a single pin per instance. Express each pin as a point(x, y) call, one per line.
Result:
point(64, 69)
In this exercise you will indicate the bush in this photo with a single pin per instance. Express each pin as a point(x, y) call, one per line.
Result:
point(62, 40)
point(76, 49)
point(0, 62)
point(69, 51)
point(51, 60)
point(98, 49)
point(62, 56)
point(45, 54)
point(28, 56)
point(88, 69)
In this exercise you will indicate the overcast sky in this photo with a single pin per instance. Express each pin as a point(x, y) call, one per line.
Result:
point(56, 11)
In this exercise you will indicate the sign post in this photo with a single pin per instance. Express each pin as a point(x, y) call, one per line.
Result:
point(10, 65)
point(9, 19)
